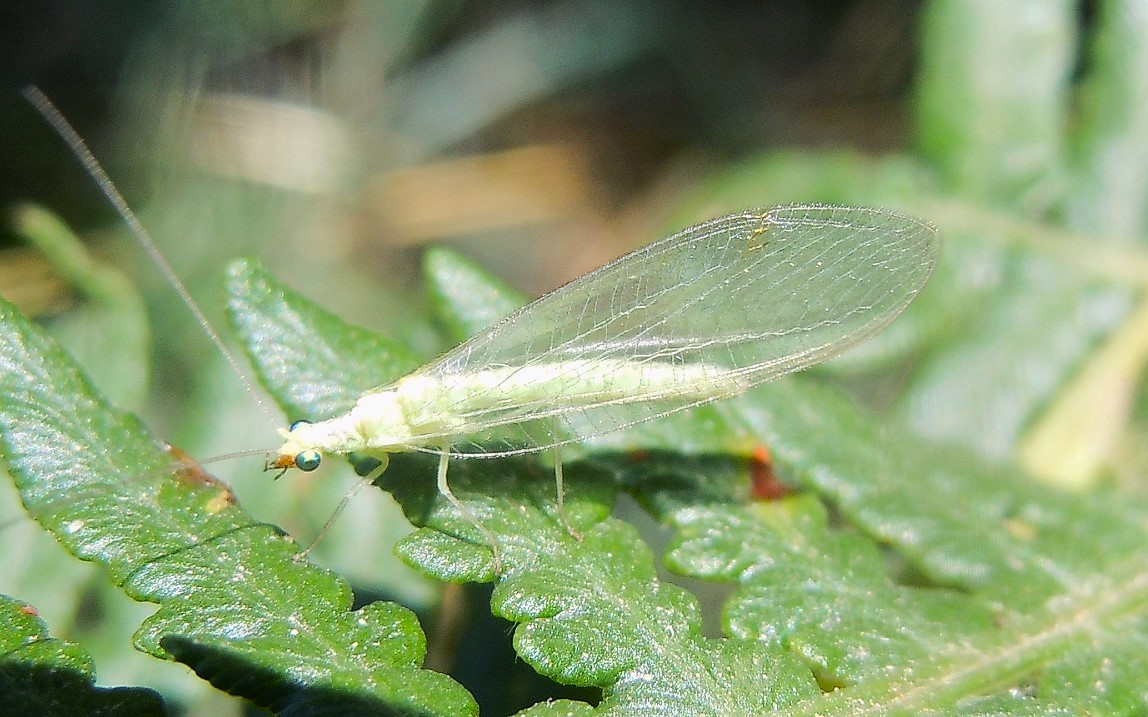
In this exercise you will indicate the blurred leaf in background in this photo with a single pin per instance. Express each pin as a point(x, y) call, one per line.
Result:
point(334, 140)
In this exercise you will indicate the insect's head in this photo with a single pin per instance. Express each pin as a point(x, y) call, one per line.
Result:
point(295, 452)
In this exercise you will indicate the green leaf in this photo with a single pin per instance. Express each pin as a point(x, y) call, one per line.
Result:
point(558, 708)
point(1005, 578)
point(296, 337)
point(1020, 339)
point(40, 675)
point(466, 297)
point(1108, 138)
point(170, 534)
point(1003, 144)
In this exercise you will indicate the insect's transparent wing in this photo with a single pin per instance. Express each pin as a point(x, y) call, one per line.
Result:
point(748, 298)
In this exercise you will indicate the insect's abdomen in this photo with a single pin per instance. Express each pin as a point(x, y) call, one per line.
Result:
point(458, 404)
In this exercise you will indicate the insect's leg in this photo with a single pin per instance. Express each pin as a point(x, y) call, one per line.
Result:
point(355, 489)
point(561, 490)
point(444, 459)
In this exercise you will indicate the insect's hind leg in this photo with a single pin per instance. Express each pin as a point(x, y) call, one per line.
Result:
point(444, 489)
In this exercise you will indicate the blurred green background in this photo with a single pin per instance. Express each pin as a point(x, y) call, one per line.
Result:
point(334, 140)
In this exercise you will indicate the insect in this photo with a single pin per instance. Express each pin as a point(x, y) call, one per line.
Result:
point(698, 316)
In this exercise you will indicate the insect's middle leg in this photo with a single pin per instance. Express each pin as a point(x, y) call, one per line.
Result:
point(444, 489)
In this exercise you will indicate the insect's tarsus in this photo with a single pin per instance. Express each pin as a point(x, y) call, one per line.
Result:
point(79, 147)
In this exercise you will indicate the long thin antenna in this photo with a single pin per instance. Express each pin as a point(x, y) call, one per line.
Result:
point(79, 147)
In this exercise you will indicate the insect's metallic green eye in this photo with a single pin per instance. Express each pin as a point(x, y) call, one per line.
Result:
point(308, 461)
point(296, 424)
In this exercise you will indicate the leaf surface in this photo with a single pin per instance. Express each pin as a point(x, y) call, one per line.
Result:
point(40, 675)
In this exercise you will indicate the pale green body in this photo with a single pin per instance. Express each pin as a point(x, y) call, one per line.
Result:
point(422, 409)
